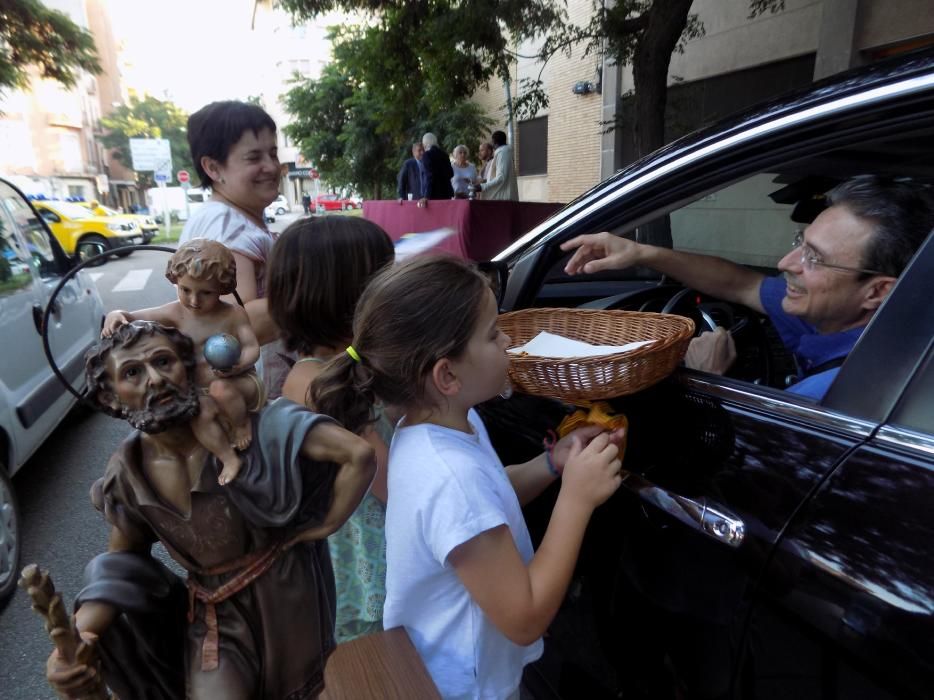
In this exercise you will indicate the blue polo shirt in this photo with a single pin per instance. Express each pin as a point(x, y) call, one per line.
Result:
point(810, 348)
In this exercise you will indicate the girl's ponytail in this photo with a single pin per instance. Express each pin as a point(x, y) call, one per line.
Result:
point(344, 391)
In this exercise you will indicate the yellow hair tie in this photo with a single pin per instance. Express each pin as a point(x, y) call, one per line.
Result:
point(353, 353)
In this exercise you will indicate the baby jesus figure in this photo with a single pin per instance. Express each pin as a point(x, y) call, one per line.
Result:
point(202, 271)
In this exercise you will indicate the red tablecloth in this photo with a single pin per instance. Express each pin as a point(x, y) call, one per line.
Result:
point(482, 229)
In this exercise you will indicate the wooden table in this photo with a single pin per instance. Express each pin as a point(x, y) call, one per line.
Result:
point(383, 665)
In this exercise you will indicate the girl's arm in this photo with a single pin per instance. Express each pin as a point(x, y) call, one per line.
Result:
point(246, 279)
point(530, 478)
point(265, 328)
point(522, 600)
point(379, 487)
point(328, 442)
point(160, 314)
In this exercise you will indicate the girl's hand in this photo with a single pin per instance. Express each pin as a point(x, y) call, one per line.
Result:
point(592, 473)
point(584, 435)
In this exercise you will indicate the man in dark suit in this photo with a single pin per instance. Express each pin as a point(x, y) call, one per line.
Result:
point(409, 181)
point(437, 169)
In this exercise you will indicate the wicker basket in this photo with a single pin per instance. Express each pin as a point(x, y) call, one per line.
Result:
point(604, 376)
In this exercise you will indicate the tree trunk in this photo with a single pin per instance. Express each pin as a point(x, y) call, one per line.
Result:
point(651, 59)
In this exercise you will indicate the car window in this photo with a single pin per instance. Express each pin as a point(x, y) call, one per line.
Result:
point(15, 274)
point(916, 408)
point(741, 223)
point(39, 246)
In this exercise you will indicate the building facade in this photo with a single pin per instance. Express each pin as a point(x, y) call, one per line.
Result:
point(584, 135)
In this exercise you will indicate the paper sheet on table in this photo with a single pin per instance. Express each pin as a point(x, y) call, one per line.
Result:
point(410, 244)
point(547, 344)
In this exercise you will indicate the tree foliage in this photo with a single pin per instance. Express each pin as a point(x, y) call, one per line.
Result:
point(148, 117)
point(471, 41)
point(32, 35)
point(357, 121)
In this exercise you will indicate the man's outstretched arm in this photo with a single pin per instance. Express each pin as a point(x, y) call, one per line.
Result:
point(707, 274)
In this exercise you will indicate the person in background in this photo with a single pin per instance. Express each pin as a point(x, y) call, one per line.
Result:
point(461, 575)
point(437, 170)
point(502, 184)
point(409, 180)
point(233, 147)
point(465, 172)
point(306, 203)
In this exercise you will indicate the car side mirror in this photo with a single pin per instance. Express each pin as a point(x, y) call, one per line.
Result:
point(498, 274)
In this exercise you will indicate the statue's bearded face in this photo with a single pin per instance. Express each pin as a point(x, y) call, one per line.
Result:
point(151, 386)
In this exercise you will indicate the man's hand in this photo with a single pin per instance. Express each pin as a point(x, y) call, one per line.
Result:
point(600, 251)
point(711, 352)
point(423, 202)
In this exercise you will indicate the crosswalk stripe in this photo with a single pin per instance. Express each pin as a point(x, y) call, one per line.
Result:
point(96, 276)
point(133, 281)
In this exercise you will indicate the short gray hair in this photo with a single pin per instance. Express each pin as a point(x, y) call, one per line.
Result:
point(462, 147)
point(429, 140)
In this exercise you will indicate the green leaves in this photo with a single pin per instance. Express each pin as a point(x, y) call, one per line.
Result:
point(148, 117)
point(32, 35)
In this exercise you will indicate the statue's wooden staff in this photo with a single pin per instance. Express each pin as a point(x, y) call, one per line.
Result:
point(47, 602)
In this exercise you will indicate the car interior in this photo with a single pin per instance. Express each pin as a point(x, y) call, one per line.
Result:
point(750, 221)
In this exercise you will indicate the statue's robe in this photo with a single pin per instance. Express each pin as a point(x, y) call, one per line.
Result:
point(274, 635)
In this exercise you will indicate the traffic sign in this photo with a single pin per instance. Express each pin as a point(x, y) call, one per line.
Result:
point(161, 177)
point(314, 174)
point(151, 154)
point(183, 176)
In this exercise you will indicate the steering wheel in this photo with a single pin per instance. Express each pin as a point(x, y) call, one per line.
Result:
point(681, 304)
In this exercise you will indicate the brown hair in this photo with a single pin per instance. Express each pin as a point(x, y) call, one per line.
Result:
point(204, 259)
point(409, 317)
point(126, 336)
point(315, 274)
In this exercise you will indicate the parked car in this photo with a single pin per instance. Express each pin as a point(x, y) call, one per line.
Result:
point(83, 235)
point(280, 206)
point(763, 545)
point(147, 224)
point(334, 202)
point(32, 401)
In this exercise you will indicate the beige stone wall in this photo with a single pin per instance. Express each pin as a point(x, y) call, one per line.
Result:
point(885, 22)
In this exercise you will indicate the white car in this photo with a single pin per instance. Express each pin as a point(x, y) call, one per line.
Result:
point(32, 400)
point(279, 207)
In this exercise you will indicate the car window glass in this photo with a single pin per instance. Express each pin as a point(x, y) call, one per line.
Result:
point(37, 240)
point(15, 274)
point(740, 223)
point(49, 216)
point(916, 409)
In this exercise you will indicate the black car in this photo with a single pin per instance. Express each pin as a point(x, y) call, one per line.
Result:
point(765, 545)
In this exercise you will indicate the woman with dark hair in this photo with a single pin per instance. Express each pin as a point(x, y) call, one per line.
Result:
point(233, 147)
point(317, 270)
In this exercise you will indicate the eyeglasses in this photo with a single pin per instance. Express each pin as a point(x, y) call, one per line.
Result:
point(810, 258)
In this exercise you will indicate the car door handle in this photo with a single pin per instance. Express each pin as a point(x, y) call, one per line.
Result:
point(711, 519)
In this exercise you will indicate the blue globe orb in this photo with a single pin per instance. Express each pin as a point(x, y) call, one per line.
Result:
point(222, 351)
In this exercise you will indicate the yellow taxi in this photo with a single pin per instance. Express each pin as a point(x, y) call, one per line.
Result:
point(147, 224)
point(83, 234)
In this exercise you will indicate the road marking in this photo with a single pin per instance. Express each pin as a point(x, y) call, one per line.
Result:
point(96, 276)
point(133, 281)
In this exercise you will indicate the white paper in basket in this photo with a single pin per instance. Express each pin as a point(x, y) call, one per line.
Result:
point(547, 344)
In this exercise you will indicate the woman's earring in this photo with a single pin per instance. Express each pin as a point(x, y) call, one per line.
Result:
point(223, 181)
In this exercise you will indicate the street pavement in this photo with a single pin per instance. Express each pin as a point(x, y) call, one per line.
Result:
point(61, 530)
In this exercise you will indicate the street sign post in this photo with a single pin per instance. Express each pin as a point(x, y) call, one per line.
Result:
point(184, 179)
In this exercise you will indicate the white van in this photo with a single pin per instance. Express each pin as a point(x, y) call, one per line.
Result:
point(173, 198)
point(32, 400)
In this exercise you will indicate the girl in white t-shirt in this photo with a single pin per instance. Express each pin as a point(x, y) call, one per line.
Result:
point(462, 577)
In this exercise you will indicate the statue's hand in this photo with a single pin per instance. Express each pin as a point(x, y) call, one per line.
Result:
point(71, 679)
